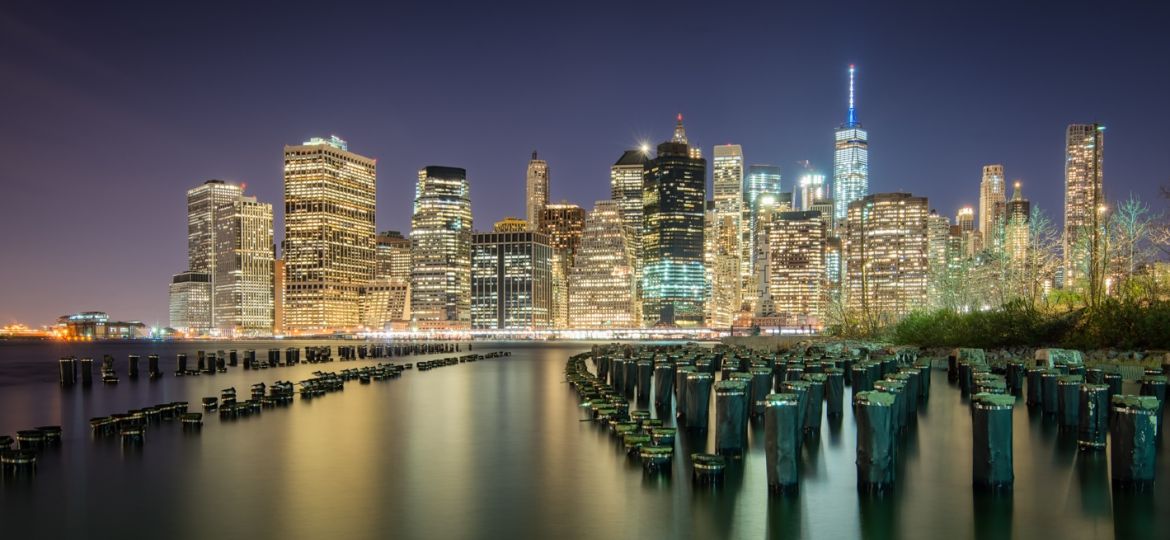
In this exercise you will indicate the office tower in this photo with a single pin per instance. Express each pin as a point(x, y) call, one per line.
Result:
point(850, 160)
point(511, 224)
point(938, 232)
point(972, 240)
point(673, 197)
point(602, 283)
point(725, 237)
point(440, 235)
point(625, 179)
point(190, 302)
point(385, 304)
point(833, 258)
point(393, 256)
point(812, 189)
point(329, 199)
point(886, 256)
point(760, 180)
point(1017, 217)
point(563, 223)
point(202, 227)
point(242, 295)
point(511, 281)
point(796, 267)
point(991, 201)
point(537, 192)
point(1084, 199)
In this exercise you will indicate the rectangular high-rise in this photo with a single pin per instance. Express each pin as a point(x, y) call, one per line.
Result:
point(602, 282)
point(673, 200)
point(1084, 198)
point(190, 302)
point(886, 256)
point(536, 184)
point(797, 267)
point(329, 253)
point(511, 281)
point(440, 235)
point(725, 264)
point(393, 256)
point(563, 223)
point(244, 264)
point(203, 202)
point(991, 206)
point(626, 177)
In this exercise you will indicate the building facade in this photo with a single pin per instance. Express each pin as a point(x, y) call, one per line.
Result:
point(386, 304)
point(190, 302)
point(725, 237)
point(393, 256)
point(511, 281)
point(626, 177)
point(329, 252)
point(673, 197)
point(886, 256)
point(850, 159)
point(1084, 197)
point(602, 283)
point(537, 190)
point(991, 206)
point(203, 204)
point(1018, 216)
point(441, 236)
point(563, 223)
point(242, 286)
point(796, 264)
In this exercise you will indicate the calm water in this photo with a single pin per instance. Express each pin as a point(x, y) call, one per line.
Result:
point(495, 449)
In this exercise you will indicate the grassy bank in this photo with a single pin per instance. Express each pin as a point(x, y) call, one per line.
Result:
point(1112, 325)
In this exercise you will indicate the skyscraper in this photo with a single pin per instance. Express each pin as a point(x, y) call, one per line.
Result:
point(537, 190)
point(511, 281)
point(626, 177)
point(991, 200)
point(203, 201)
point(971, 239)
point(724, 265)
point(393, 256)
point(563, 223)
point(757, 296)
point(1083, 197)
point(242, 285)
point(886, 256)
point(601, 282)
point(850, 159)
point(760, 180)
point(673, 198)
point(440, 235)
point(329, 202)
point(796, 281)
point(1017, 217)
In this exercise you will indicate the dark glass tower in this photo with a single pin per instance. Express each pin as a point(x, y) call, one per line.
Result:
point(673, 195)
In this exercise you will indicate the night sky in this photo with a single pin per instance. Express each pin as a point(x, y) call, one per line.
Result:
point(109, 113)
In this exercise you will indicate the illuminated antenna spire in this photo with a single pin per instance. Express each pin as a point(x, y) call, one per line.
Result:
point(680, 133)
point(851, 120)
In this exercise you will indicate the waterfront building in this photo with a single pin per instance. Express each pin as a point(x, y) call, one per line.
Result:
point(190, 302)
point(393, 256)
point(673, 279)
point(1084, 198)
point(850, 159)
point(278, 296)
point(563, 223)
point(886, 256)
point(203, 202)
point(386, 304)
point(991, 206)
point(602, 284)
point(242, 285)
point(511, 281)
point(97, 325)
point(796, 267)
point(441, 236)
point(725, 236)
point(328, 249)
point(626, 177)
point(537, 190)
point(757, 298)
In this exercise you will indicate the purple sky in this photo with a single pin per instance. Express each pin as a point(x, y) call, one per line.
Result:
point(109, 114)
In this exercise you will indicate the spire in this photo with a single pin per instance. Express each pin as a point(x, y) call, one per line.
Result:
point(534, 155)
point(851, 119)
point(680, 133)
point(1017, 194)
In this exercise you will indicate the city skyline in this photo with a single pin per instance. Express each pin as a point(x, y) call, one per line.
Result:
point(1023, 129)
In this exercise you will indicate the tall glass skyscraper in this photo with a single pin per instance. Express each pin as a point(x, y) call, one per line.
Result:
point(1083, 197)
point(440, 235)
point(850, 160)
point(673, 198)
point(760, 180)
point(625, 180)
point(726, 237)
